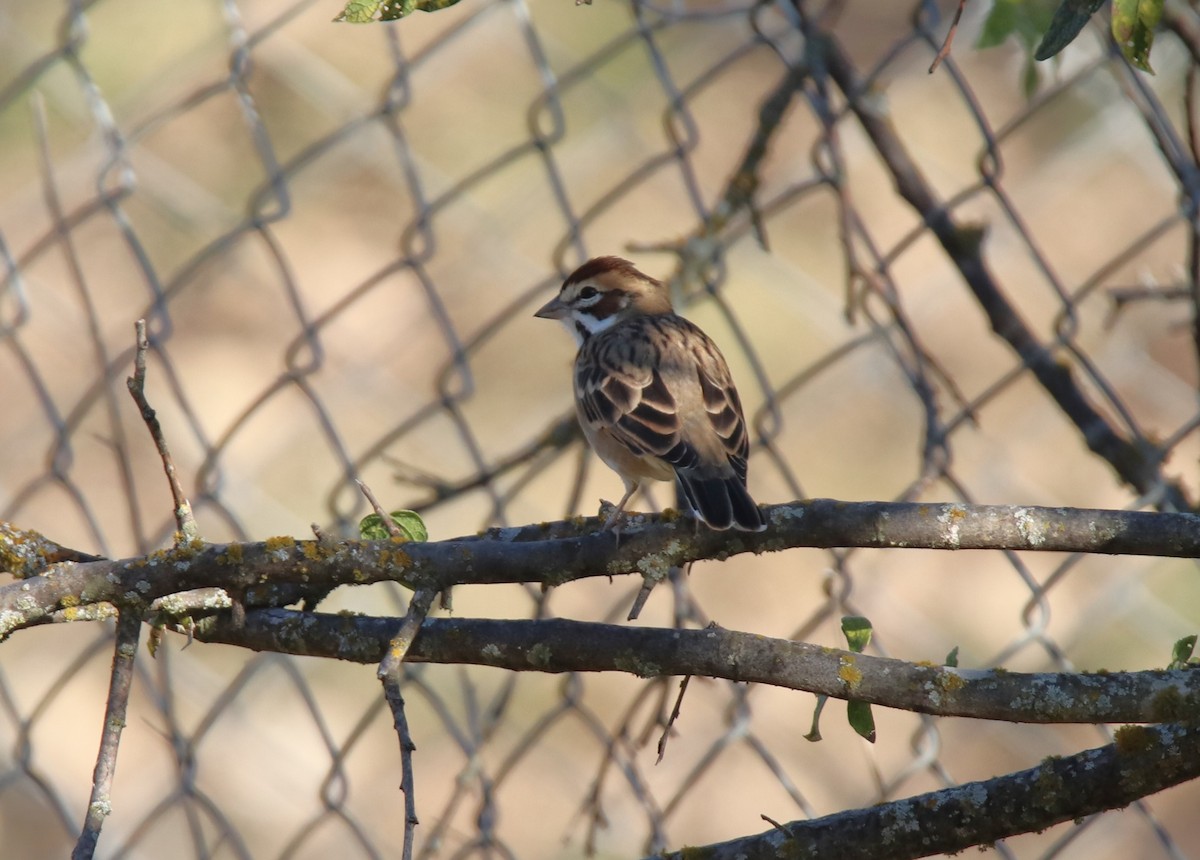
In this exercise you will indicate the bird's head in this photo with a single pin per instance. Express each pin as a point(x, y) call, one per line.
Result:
point(603, 292)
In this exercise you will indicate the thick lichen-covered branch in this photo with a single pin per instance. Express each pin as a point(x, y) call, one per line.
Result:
point(281, 570)
point(560, 645)
point(1142, 761)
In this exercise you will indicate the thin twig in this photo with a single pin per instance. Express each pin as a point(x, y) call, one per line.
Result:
point(396, 532)
point(390, 673)
point(662, 741)
point(129, 626)
point(949, 40)
point(185, 522)
point(391, 692)
point(388, 523)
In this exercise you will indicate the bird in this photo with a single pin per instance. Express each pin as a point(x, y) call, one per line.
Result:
point(654, 394)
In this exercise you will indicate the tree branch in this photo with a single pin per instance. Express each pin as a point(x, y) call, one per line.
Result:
point(1142, 761)
point(560, 645)
point(25, 552)
point(280, 570)
point(185, 522)
point(129, 625)
point(1137, 462)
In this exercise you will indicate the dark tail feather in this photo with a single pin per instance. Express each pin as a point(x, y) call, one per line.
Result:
point(723, 503)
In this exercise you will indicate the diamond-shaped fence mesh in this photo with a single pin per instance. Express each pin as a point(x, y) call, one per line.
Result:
point(338, 235)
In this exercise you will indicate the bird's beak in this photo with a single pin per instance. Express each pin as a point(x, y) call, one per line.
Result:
point(553, 310)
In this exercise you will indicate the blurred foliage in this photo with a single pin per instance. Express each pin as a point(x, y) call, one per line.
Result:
point(1045, 27)
point(1133, 23)
point(1181, 653)
point(369, 11)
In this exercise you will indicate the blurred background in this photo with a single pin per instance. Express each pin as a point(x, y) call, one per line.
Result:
point(338, 235)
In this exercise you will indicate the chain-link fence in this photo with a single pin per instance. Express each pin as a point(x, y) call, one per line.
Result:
point(338, 236)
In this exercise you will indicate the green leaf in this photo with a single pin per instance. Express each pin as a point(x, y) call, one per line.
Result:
point(1002, 22)
point(814, 734)
point(1027, 20)
point(857, 631)
point(861, 719)
point(1068, 21)
point(952, 658)
point(1182, 652)
point(1133, 23)
point(371, 527)
point(370, 11)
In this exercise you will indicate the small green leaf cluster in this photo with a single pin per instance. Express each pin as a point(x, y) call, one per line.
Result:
point(1045, 27)
point(371, 527)
point(857, 631)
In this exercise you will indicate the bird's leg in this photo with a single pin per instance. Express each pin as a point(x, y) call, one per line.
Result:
point(615, 516)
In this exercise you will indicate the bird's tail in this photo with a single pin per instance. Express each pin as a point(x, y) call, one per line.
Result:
point(722, 503)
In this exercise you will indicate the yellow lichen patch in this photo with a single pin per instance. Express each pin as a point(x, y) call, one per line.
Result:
point(951, 681)
point(850, 674)
point(185, 551)
point(401, 559)
point(233, 554)
point(279, 542)
point(1134, 740)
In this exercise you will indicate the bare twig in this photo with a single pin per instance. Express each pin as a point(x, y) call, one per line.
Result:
point(129, 625)
point(390, 674)
point(666, 733)
point(185, 522)
point(650, 579)
point(949, 40)
point(395, 700)
point(386, 518)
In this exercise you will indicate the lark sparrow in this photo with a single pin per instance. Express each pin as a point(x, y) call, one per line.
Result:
point(654, 394)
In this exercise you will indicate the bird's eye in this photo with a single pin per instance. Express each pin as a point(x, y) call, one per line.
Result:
point(588, 293)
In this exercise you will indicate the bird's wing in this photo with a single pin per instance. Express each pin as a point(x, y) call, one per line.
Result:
point(659, 386)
